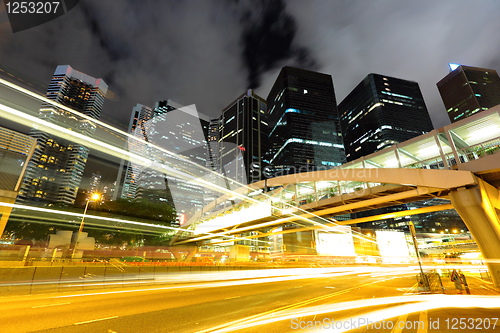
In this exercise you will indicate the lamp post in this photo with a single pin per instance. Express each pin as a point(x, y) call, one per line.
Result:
point(95, 197)
point(415, 244)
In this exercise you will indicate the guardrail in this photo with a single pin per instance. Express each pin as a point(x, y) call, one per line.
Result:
point(44, 279)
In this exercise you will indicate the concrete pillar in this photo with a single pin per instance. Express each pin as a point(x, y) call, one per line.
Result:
point(479, 208)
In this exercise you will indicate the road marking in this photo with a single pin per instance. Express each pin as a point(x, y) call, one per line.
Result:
point(400, 324)
point(47, 305)
point(286, 307)
point(92, 321)
point(411, 289)
point(233, 297)
point(330, 287)
point(278, 310)
point(422, 319)
point(299, 287)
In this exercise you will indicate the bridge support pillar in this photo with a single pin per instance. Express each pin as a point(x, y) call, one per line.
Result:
point(479, 208)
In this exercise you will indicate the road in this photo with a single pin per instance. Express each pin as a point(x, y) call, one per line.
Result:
point(267, 304)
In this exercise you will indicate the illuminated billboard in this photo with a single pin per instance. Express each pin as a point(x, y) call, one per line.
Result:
point(392, 244)
point(336, 243)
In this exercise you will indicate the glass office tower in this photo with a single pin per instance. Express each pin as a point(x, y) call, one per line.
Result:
point(304, 125)
point(175, 141)
point(467, 90)
point(382, 111)
point(243, 131)
point(379, 112)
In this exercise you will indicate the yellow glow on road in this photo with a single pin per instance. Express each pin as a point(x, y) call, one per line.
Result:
point(412, 304)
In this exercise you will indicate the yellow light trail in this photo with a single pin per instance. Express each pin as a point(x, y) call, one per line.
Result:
point(29, 120)
point(417, 304)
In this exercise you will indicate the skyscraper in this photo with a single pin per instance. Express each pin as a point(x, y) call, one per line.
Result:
point(95, 180)
point(178, 137)
point(126, 179)
point(380, 112)
point(467, 90)
point(242, 135)
point(213, 144)
point(56, 169)
point(304, 123)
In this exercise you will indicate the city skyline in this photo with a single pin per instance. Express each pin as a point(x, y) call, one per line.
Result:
point(249, 165)
point(250, 43)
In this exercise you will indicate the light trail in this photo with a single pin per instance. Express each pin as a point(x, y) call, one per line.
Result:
point(234, 278)
point(417, 304)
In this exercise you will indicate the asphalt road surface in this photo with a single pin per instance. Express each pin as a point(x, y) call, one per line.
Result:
point(269, 304)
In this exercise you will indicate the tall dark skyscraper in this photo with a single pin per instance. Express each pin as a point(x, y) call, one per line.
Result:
point(304, 125)
point(380, 112)
point(243, 131)
point(126, 179)
point(467, 90)
point(55, 171)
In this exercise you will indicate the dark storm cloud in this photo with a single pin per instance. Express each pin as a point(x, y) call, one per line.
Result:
point(268, 39)
point(187, 51)
point(208, 52)
point(412, 40)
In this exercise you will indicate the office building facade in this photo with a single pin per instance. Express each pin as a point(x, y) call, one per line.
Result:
point(126, 180)
point(56, 169)
point(467, 90)
point(242, 138)
point(177, 138)
point(304, 125)
point(381, 111)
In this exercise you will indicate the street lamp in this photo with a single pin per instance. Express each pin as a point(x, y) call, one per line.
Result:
point(94, 197)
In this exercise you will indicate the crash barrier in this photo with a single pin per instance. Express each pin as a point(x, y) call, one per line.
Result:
point(430, 282)
point(46, 279)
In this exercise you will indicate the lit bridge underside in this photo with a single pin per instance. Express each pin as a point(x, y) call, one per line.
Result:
point(458, 162)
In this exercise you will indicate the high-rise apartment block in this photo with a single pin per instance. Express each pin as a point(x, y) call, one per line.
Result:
point(304, 125)
point(242, 138)
point(467, 90)
point(382, 111)
point(95, 181)
point(55, 171)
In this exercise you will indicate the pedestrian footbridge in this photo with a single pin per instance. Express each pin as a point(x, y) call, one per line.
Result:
point(458, 162)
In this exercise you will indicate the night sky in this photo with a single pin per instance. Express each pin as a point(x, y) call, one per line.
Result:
point(208, 52)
